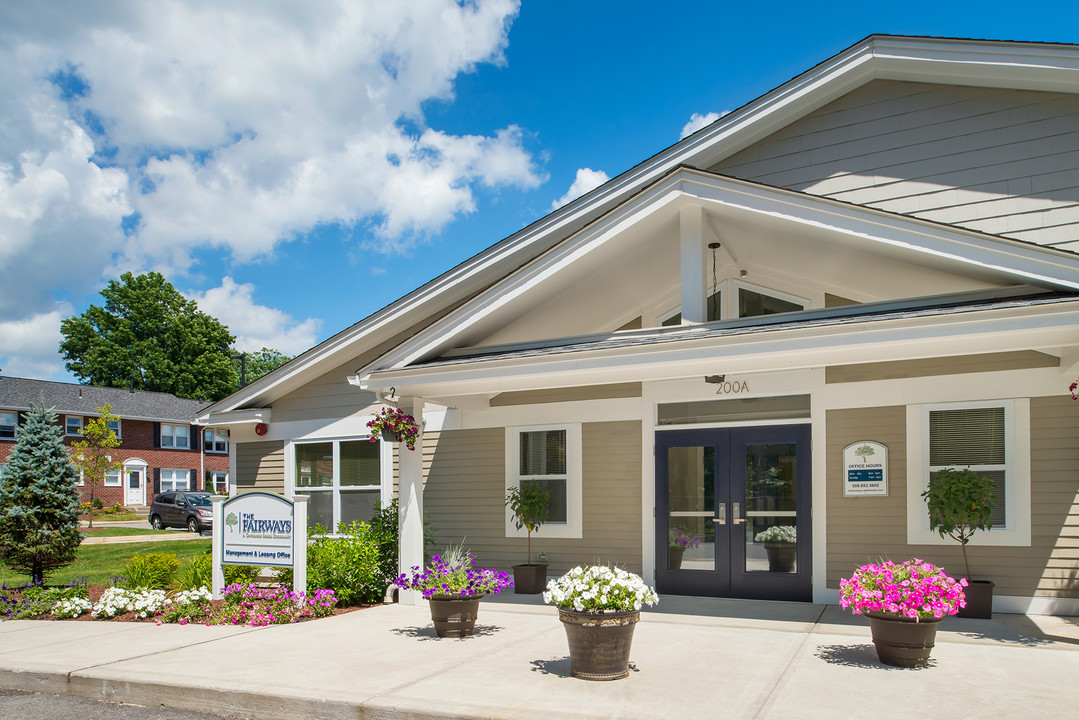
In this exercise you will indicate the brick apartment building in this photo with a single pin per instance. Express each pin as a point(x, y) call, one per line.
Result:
point(163, 447)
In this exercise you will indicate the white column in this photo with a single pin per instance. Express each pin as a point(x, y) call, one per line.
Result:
point(691, 228)
point(410, 500)
point(299, 544)
point(217, 573)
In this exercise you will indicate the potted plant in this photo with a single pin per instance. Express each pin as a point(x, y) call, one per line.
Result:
point(780, 544)
point(599, 607)
point(961, 502)
point(453, 587)
point(678, 541)
point(528, 503)
point(904, 603)
point(394, 425)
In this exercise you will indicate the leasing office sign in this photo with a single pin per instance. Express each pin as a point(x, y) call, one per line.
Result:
point(261, 529)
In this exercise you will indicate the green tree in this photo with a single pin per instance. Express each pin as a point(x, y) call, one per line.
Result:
point(263, 361)
point(91, 454)
point(960, 503)
point(39, 500)
point(149, 333)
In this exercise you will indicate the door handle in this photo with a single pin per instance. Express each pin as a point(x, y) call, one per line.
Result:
point(738, 519)
point(721, 519)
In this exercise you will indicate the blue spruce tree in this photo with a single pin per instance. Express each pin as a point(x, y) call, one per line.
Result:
point(39, 502)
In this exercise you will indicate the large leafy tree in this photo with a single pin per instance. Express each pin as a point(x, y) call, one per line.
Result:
point(39, 500)
point(92, 452)
point(150, 334)
point(263, 361)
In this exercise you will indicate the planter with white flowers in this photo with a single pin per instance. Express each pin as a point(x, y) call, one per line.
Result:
point(781, 546)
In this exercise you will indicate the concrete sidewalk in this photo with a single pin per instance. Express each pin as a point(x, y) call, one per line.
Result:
point(692, 658)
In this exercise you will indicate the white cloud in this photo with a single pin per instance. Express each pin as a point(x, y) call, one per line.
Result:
point(587, 180)
point(698, 121)
point(235, 126)
point(31, 347)
point(256, 326)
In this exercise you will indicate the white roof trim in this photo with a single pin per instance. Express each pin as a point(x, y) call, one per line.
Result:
point(970, 62)
point(235, 417)
point(1047, 326)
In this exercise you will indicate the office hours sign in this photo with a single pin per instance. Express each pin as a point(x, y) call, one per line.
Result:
point(865, 469)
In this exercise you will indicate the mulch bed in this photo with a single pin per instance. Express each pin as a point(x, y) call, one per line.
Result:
point(94, 593)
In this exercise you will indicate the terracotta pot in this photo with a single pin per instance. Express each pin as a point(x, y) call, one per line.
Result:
point(900, 641)
point(781, 556)
point(454, 616)
point(599, 642)
point(979, 600)
point(674, 557)
point(529, 579)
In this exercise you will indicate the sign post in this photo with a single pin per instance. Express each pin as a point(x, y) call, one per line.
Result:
point(260, 528)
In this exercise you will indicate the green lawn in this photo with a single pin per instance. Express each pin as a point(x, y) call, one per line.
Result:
point(122, 531)
point(99, 563)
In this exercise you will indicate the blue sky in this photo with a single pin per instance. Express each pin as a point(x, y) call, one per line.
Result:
point(295, 167)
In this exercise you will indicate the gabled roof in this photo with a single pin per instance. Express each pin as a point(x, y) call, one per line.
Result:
point(1035, 66)
point(73, 399)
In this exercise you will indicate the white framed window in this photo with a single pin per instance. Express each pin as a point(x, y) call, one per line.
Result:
point(549, 455)
point(112, 477)
point(72, 424)
point(215, 440)
point(175, 480)
point(114, 425)
point(175, 436)
point(990, 437)
point(9, 424)
point(342, 479)
point(739, 299)
point(217, 482)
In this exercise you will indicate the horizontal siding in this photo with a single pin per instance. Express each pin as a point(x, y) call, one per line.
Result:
point(954, 365)
point(465, 489)
point(998, 161)
point(568, 394)
point(260, 466)
point(864, 529)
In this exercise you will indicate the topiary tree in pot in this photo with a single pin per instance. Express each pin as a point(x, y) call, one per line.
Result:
point(960, 503)
point(528, 503)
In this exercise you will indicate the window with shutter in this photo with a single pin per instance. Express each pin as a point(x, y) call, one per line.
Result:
point(990, 437)
point(972, 438)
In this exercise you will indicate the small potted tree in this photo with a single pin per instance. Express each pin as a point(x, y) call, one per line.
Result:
point(528, 503)
point(960, 503)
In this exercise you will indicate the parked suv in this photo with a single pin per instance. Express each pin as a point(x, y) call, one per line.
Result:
point(182, 508)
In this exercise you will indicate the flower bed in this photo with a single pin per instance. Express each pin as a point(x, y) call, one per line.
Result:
point(242, 605)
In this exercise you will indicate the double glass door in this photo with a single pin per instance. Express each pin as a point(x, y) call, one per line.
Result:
point(732, 512)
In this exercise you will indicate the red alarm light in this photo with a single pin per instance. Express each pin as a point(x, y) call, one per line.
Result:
point(260, 429)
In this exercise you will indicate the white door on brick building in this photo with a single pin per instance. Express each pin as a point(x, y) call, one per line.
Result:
point(135, 482)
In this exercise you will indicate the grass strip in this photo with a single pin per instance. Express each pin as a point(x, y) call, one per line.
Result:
point(99, 563)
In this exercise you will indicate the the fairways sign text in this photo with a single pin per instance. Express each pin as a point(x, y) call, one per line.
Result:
point(258, 530)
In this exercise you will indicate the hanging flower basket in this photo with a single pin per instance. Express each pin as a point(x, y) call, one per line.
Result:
point(394, 425)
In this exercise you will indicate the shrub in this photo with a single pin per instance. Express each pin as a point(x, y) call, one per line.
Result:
point(154, 571)
point(97, 504)
point(348, 565)
point(34, 600)
point(199, 573)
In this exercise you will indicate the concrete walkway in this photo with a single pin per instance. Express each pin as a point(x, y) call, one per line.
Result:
point(692, 657)
point(166, 536)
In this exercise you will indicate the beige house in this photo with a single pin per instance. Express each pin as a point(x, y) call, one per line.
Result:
point(787, 320)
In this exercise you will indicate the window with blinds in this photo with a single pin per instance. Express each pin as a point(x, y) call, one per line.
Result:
point(542, 460)
point(975, 438)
